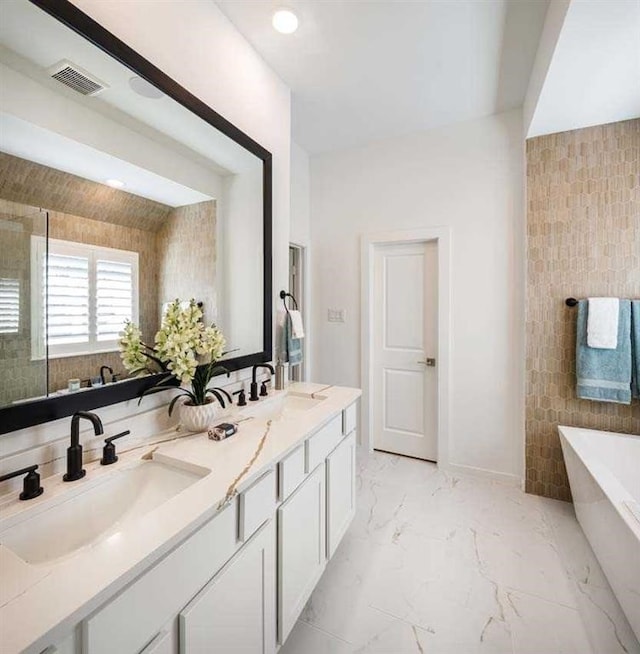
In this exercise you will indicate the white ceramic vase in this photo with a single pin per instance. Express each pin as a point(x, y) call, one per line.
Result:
point(198, 418)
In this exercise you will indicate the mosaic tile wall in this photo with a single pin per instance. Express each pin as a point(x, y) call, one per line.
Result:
point(583, 240)
point(187, 241)
point(31, 183)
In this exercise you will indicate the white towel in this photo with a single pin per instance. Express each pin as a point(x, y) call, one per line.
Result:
point(602, 322)
point(296, 324)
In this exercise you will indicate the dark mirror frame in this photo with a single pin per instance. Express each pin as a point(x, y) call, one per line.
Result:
point(37, 412)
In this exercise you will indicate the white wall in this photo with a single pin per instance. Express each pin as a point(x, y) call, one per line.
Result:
point(300, 234)
point(300, 196)
point(470, 177)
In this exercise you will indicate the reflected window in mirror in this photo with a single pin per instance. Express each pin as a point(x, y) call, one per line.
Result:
point(91, 292)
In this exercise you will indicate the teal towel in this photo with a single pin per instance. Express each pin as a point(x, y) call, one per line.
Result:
point(635, 344)
point(604, 375)
point(294, 345)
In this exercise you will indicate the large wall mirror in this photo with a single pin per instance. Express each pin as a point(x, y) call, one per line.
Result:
point(119, 192)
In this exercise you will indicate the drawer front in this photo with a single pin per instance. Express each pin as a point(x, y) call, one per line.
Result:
point(291, 473)
point(323, 442)
point(257, 505)
point(133, 618)
point(349, 419)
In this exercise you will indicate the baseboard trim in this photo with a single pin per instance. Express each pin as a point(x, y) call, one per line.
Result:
point(483, 473)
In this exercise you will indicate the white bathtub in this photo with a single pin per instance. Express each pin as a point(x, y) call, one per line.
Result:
point(604, 474)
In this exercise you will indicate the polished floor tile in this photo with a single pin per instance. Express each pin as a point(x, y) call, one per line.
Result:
point(436, 563)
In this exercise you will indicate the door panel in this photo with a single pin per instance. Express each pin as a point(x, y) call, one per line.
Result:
point(404, 394)
point(403, 319)
point(301, 548)
point(235, 612)
point(406, 415)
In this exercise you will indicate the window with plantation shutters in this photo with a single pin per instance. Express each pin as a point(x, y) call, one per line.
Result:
point(9, 305)
point(89, 292)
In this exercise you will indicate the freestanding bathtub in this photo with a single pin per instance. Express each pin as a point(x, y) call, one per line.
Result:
point(604, 474)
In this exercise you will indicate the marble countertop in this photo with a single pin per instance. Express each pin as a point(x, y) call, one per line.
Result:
point(40, 604)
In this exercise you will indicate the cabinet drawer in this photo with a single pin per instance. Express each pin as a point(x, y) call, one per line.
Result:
point(257, 505)
point(133, 618)
point(323, 442)
point(349, 419)
point(291, 473)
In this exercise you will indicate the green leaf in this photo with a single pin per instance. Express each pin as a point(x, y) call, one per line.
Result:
point(173, 402)
point(218, 396)
point(222, 390)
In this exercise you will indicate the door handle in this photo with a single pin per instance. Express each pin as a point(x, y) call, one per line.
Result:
point(431, 363)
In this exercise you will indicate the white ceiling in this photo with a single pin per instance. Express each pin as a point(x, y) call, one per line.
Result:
point(594, 75)
point(367, 70)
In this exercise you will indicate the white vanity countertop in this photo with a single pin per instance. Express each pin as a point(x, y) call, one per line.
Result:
point(40, 604)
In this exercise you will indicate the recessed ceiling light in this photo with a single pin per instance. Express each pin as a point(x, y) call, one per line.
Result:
point(285, 21)
point(114, 183)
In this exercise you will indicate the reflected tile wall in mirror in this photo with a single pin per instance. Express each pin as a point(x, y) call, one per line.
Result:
point(20, 375)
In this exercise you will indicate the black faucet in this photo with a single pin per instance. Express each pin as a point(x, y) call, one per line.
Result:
point(74, 451)
point(110, 369)
point(253, 392)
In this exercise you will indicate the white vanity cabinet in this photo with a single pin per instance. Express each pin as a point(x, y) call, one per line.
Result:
point(301, 548)
point(235, 612)
point(238, 584)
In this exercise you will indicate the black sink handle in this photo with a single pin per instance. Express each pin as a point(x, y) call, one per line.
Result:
point(109, 450)
point(31, 484)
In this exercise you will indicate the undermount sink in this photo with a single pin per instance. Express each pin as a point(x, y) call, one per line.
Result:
point(284, 407)
point(96, 513)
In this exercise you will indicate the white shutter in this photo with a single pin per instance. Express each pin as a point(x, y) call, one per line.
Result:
point(114, 297)
point(9, 305)
point(68, 299)
point(90, 292)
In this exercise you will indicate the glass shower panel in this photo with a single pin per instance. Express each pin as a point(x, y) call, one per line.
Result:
point(23, 365)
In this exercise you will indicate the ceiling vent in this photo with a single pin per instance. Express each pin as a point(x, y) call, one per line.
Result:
point(76, 78)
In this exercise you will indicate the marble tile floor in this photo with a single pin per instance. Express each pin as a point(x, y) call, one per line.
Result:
point(436, 563)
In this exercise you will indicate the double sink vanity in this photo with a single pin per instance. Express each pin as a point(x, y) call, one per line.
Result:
point(178, 547)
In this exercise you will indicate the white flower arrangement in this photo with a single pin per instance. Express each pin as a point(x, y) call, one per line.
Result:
point(185, 348)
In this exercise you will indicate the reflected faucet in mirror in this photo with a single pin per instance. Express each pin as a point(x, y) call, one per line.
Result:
point(102, 377)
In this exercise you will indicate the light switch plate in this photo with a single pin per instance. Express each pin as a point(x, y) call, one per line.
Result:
point(336, 315)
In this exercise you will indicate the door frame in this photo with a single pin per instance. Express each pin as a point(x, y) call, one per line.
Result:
point(304, 305)
point(368, 243)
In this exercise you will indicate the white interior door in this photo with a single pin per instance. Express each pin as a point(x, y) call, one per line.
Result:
point(405, 329)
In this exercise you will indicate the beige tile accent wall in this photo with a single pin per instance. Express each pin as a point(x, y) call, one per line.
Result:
point(187, 242)
point(32, 183)
point(20, 376)
point(583, 240)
